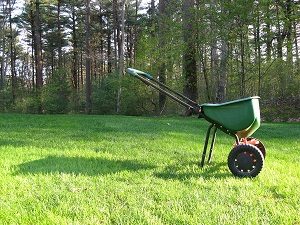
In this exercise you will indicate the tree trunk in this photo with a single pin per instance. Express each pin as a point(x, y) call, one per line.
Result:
point(109, 59)
point(102, 63)
point(74, 70)
point(95, 66)
point(12, 55)
point(214, 57)
point(280, 36)
point(81, 82)
point(59, 33)
point(33, 47)
point(205, 74)
point(121, 55)
point(116, 33)
point(296, 48)
point(122, 41)
point(269, 35)
point(75, 51)
point(3, 40)
point(289, 32)
point(88, 60)
point(33, 68)
point(162, 32)
point(152, 17)
point(189, 52)
point(258, 52)
point(222, 83)
point(2, 72)
point(38, 52)
point(242, 78)
point(135, 45)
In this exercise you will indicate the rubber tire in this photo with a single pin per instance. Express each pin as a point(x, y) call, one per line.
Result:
point(252, 152)
point(260, 146)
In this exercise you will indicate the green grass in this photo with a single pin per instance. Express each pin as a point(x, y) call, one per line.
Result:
point(74, 169)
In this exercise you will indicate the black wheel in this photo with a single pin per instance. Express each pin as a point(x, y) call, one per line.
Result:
point(259, 145)
point(245, 160)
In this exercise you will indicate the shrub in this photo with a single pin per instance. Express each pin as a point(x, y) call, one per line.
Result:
point(56, 93)
point(5, 99)
point(135, 97)
point(27, 104)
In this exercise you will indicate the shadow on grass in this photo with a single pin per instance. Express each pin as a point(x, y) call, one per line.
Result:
point(13, 143)
point(211, 171)
point(79, 166)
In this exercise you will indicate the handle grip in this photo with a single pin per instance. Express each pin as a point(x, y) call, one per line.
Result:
point(135, 72)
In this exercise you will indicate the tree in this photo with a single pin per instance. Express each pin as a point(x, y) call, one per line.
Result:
point(189, 66)
point(162, 32)
point(37, 42)
point(88, 83)
point(56, 92)
point(59, 2)
point(3, 45)
point(224, 49)
point(121, 54)
point(12, 52)
point(217, 50)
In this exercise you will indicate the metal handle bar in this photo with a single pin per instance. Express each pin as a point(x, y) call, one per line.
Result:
point(135, 73)
point(147, 78)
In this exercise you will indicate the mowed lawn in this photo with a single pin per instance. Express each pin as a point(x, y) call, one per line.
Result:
point(78, 169)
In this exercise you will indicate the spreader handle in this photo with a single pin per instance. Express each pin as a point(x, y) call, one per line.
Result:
point(135, 72)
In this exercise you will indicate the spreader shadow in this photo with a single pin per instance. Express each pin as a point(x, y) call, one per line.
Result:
point(211, 171)
point(79, 166)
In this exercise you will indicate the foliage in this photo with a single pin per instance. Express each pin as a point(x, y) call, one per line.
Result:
point(28, 104)
point(281, 109)
point(243, 48)
point(5, 99)
point(104, 95)
point(138, 170)
point(56, 93)
point(135, 100)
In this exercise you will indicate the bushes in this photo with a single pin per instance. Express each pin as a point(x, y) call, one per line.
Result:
point(56, 93)
point(27, 104)
point(135, 98)
point(54, 97)
point(278, 102)
point(104, 95)
point(5, 99)
point(281, 109)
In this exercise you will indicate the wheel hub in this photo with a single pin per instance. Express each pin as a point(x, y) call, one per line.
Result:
point(245, 162)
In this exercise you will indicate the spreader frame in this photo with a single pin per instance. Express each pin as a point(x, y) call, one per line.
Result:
point(199, 110)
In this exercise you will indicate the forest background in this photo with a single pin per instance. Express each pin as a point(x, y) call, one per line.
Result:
point(68, 56)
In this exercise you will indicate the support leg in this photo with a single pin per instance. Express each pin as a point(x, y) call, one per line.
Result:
point(205, 145)
point(212, 144)
point(237, 140)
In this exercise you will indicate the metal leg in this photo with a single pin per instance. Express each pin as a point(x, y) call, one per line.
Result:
point(212, 144)
point(237, 140)
point(205, 145)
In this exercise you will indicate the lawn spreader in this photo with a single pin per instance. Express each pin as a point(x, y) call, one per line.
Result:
point(239, 119)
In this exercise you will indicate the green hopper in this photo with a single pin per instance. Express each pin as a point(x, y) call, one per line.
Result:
point(239, 119)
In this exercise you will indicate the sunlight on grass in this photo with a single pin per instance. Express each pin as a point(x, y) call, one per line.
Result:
point(73, 169)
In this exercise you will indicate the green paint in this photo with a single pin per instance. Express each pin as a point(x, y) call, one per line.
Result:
point(241, 116)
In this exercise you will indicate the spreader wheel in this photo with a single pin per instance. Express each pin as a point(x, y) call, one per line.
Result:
point(245, 160)
point(258, 144)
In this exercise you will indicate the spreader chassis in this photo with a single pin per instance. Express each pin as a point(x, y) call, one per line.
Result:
point(239, 119)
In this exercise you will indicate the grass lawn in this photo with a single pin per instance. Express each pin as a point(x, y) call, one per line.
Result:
point(77, 169)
